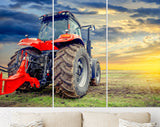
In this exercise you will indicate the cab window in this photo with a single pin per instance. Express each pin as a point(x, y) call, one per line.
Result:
point(74, 28)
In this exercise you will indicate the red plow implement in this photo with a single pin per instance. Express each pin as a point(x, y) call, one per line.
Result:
point(9, 85)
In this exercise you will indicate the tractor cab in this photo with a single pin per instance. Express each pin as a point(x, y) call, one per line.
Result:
point(44, 40)
point(65, 22)
point(45, 32)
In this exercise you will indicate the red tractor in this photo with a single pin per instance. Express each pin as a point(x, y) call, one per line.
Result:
point(74, 68)
point(31, 66)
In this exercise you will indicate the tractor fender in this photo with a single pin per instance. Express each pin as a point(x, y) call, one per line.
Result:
point(36, 43)
point(65, 39)
point(93, 67)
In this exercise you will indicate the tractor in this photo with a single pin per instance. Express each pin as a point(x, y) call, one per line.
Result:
point(74, 67)
point(30, 68)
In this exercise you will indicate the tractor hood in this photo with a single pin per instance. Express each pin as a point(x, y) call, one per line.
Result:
point(67, 38)
point(37, 43)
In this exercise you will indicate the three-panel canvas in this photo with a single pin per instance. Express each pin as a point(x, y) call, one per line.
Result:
point(79, 53)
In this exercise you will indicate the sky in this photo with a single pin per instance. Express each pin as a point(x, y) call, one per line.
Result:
point(89, 12)
point(134, 35)
point(18, 18)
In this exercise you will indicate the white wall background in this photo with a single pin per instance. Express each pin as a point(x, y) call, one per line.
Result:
point(5, 113)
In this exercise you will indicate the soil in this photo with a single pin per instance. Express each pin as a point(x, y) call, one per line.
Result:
point(97, 89)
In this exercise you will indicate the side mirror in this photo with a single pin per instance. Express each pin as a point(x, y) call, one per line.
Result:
point(92, 27)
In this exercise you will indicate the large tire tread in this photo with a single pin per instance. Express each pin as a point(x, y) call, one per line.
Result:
point(63, 71)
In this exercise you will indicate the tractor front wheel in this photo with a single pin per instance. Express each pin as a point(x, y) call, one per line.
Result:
point(96, 74)
point(72, 71)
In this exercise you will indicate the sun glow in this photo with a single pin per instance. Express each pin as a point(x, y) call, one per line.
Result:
point(112, 12)
point(102, 11)
point(152, 65)
point(103, 66)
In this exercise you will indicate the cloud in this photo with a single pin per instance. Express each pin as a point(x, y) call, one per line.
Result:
point(1, 45)
point(114, 34)
point(117, 1)
point(145, 12)
point(15, 6)
point(133, 51)
point(60, 7)
point(98, 35)
point(118, 8)
point(14, 25)
point(133, 34)
point(148, 1)
point(19, 16)
point(131, 27)
point(5, 38)
point(33, 1)
point(99, 51)
point(77, 7)
point(99, 45)
point(19, 3)
point(153, 21)
point(118, 33)
point(135, 13)
point(40, 7)
point(93, 4)
point(55, 1)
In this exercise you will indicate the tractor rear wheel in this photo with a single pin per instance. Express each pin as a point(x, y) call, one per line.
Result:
point(16, 58)
point(71, 71)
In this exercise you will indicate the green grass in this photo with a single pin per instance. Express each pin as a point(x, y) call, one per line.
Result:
point(133, 89)
point(96, 97)
point(29, 99)
point(86, 101)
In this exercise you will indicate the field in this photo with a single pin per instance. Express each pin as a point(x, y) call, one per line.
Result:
point(96, 97)
point(133, 89)
point(29, 99)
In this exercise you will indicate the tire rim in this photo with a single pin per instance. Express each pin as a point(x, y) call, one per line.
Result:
point(98, 75)
point(81, 72)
